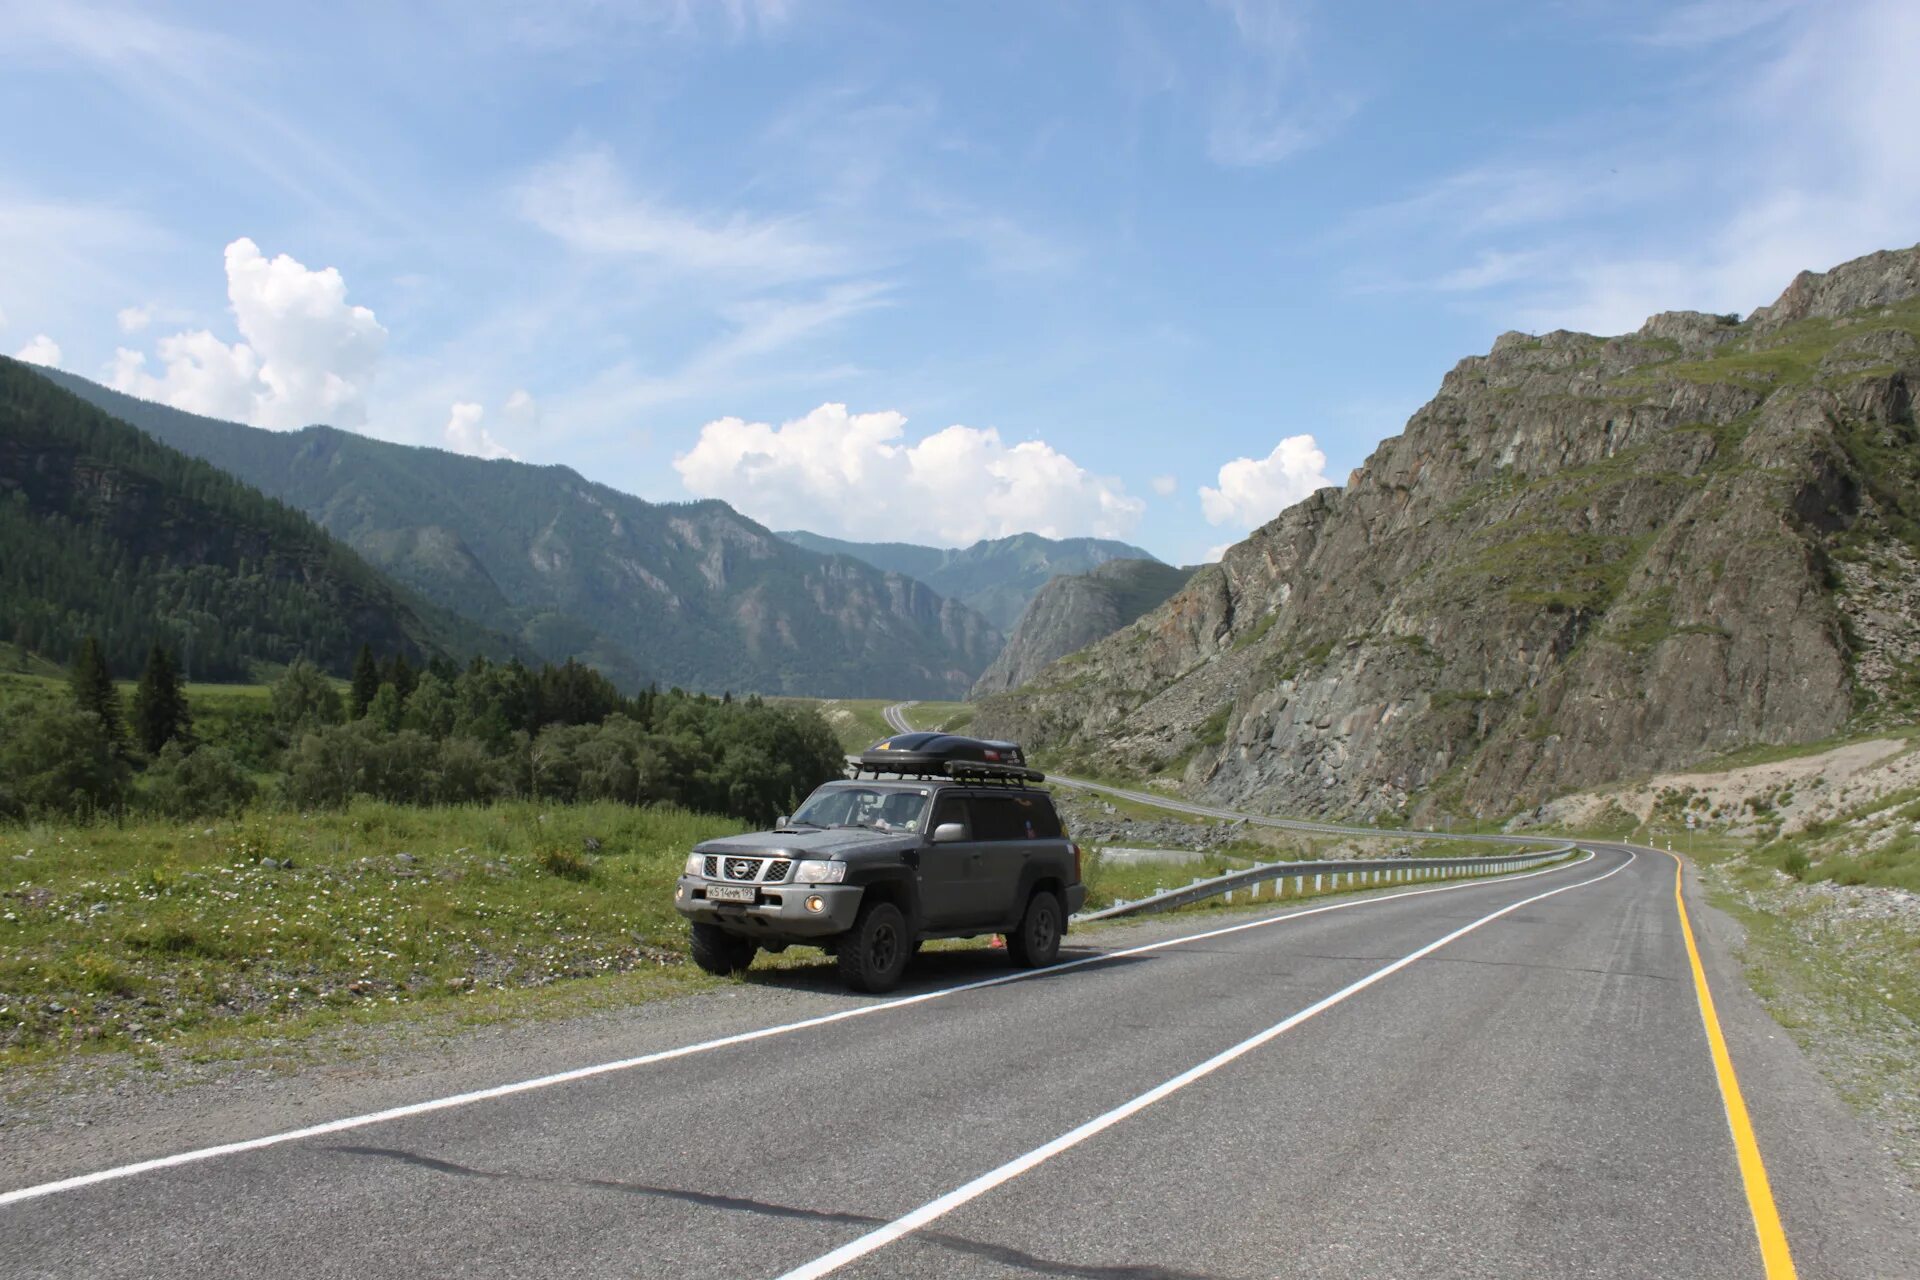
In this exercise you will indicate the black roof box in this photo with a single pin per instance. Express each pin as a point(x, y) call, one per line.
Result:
point(922, 754)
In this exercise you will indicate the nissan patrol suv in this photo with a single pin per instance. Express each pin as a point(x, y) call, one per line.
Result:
point(931, 836)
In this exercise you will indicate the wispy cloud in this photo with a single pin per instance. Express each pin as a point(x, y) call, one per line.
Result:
point(1807, 148)
point(584, 201)
point(757, 329)
point(195, 79)
point(1268, 103)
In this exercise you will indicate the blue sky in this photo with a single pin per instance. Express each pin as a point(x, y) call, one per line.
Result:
point(918, 272)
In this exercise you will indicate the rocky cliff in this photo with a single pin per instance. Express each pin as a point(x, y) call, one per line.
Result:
point(1585, 558)
point(1074, 610)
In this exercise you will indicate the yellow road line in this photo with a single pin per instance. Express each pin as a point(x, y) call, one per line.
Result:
point(1753, 1171)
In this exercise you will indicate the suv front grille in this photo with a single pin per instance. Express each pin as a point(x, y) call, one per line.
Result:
point(746, 870)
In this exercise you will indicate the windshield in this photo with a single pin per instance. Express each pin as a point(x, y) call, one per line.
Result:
point(864, 807)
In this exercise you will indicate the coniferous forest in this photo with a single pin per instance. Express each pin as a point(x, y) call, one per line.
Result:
point(110, 534)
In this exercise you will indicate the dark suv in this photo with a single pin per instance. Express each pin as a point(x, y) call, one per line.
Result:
point(933, 836)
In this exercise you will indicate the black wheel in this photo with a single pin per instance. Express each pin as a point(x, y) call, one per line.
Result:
point(720, 952)
point(873, 954)
point(1036, 943)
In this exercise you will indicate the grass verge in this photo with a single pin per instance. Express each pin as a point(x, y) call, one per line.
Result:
point(156, 933)
point(1842, 975)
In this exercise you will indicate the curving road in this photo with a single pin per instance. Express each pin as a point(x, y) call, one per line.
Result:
point(1507, 1078)
point(896, 718)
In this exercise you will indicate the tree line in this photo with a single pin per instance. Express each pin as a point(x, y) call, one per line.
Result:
point(432, 734)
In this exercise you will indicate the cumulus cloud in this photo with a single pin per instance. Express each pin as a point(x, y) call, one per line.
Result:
point(306, 355)
point(1165, 485)
point(464, 434)
point(134, 319)
point(42, 350)
point(1254, 491)
point(857, 475)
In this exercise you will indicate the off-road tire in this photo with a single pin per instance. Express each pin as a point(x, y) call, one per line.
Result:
point(719, 952)
point(874, 953)
point(1036, 943)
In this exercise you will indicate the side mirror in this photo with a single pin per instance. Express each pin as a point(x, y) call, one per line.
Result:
point(950, 833)
point(783, 820)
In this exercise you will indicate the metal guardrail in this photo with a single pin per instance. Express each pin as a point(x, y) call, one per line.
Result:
point(1359, 873)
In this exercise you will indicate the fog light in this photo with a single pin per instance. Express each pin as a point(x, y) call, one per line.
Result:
point(679, 893)
point(816, 904)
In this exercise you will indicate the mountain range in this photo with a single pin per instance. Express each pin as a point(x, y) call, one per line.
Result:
point(1585, 558)
point(997, 577)
point(690, 594)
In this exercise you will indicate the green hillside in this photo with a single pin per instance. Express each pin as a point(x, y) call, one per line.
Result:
point(109, 532)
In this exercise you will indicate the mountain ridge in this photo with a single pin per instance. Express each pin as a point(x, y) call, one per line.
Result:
point(691, 594)
point(998, 577)
point(1073, 611)
point(1585, 557)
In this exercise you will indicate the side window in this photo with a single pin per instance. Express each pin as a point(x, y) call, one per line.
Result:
point(995, 818)
point(1038, 818)
point(1015, 817)
point(951, 809)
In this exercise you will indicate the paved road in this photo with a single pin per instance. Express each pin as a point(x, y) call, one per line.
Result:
point(1532, 1098)
point(1505, 1078)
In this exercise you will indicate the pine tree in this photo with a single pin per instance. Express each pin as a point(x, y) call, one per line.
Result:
point(160, 711)
point(401, 675)
point(94, 691)
point(366, 683)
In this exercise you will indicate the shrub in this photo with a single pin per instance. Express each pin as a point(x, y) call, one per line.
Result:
point(566, 864)
point(58, 760)
point(1796, 864)
point(207, 782)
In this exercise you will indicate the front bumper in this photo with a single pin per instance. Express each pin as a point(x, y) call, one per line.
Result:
point(779, 910)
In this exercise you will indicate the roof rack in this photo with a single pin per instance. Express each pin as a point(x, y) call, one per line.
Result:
point(928, 755)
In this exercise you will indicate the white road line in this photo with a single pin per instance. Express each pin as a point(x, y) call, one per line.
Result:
point(880, 1237)
point(685, 1051)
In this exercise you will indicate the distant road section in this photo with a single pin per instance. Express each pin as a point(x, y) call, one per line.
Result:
point(896, 716)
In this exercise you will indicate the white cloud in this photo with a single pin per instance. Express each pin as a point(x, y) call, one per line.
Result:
point(134, 319)
point(1165, 485)
point(42, 350)
point(1213, 554)
point(857, 475)
point(464, 434)
point(1252, 492)
point(307, 354)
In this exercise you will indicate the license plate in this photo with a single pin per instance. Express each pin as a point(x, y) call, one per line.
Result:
point(731, 893)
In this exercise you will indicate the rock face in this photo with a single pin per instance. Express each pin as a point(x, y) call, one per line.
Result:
point(1585, 558)
point(1074, 610)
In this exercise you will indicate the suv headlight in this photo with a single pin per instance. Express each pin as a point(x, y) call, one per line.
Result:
point(696, 864)
point(820, 871)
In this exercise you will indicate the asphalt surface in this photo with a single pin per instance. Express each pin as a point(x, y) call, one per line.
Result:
point(1534, 1098)
point(1499, 1078)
